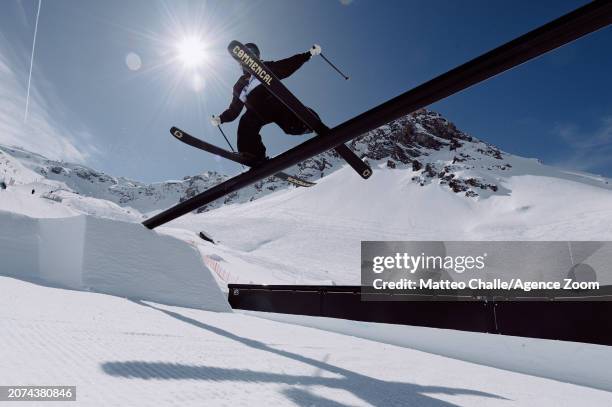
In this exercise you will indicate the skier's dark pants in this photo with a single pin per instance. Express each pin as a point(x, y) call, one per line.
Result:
point(267, 110)
point(249, 139)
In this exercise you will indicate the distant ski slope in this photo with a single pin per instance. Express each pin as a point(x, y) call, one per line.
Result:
point(313, 236)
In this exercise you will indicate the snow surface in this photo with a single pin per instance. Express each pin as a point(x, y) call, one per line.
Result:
point(572, 362)
point(119, 258)
point(313, 235)
point(120, 352)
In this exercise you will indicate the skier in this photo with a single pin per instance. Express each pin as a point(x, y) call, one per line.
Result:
point(262, 107)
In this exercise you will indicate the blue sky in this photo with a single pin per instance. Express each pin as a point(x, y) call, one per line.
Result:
point(88, 105)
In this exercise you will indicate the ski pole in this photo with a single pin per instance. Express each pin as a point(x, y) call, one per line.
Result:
point(334, 66)
point(226, 139)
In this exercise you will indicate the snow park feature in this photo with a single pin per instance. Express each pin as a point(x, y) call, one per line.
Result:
point(240, 284)
point(107, 256)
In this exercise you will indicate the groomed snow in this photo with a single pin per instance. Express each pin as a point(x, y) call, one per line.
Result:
point(573, 362)
point(120, 352)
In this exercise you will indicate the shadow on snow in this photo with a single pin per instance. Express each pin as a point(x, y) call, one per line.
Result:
point(369, 389)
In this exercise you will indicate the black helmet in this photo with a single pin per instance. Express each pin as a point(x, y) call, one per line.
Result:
point(253, 48)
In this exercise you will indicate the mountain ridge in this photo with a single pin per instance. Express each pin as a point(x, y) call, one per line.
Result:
point(424, 142)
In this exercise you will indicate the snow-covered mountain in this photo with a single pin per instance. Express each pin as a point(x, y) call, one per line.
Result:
point(438, 152)
point(60, 180)
point(431, 147)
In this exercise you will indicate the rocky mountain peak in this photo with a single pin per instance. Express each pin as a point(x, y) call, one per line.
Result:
point(432, 146)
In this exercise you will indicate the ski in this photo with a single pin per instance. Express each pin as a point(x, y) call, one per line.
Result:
point(211, 148)
point(257, 68)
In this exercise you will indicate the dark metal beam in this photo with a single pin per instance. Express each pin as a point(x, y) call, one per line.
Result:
point(582, 21)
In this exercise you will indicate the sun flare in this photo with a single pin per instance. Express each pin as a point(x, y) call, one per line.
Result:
point(191, 51)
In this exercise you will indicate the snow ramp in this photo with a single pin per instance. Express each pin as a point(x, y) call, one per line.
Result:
point(107, 256)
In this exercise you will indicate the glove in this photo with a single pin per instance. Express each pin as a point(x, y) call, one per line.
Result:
point(215, 121)
point(315, 50)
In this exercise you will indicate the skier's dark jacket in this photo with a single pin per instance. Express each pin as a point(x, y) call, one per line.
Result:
point(259, 99)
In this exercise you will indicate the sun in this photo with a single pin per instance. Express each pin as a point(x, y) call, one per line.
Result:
point(191, 51)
